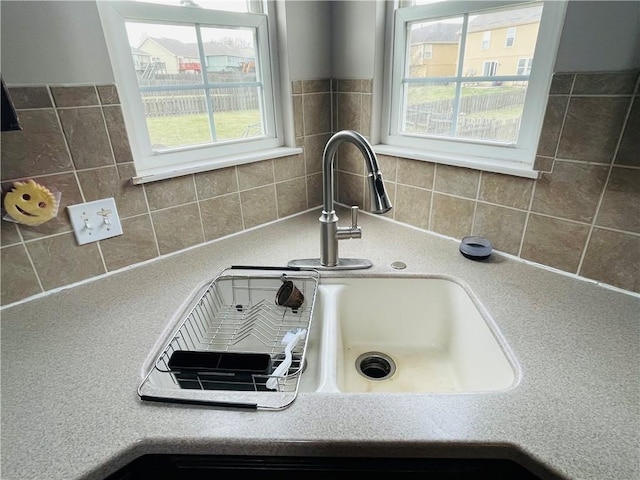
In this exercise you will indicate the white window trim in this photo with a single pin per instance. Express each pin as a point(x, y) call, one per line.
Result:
point(151, 166)
point(516, 159)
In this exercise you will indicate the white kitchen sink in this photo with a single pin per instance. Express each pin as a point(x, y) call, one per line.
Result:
point(401, 334)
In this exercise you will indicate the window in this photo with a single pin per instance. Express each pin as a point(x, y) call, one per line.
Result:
point(482, 107)
point(489, 69)
point(524, 66)
point(511, 37)
point(198, 86)
point(486, 40)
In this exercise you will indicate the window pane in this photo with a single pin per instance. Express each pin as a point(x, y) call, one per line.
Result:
point(163, 54)
point(429, 109)
point(176, 119)
point(227, 5)
point(491, 111)
point(434, 48)
point(236, 113)
point(486, 110)
point(487, 36)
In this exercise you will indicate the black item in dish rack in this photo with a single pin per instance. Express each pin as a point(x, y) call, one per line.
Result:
point(204, 370)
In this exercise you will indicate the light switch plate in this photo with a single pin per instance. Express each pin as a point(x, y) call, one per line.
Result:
point(93, 221)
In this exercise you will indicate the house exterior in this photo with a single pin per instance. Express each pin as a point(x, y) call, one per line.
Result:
point(497, 43)
point(502, 43)
point(178, 57)
point(434, 50)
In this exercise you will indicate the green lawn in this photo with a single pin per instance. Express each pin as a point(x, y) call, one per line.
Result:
point(178, 130)
point(430, 93)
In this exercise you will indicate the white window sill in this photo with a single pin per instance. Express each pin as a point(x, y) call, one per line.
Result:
point(487, 165)
point(163, 173)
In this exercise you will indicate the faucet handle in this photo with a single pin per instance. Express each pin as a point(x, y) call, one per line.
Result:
point(354, 216)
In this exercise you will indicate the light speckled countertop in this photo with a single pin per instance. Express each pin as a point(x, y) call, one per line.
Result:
point(72, 361)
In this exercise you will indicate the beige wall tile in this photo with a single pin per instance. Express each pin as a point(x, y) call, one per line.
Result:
point(506, 190)
point(543, 164)
point(60, 261)
point(605, 83)
point(37, 149)
point(350, 189)
point(177, 228)
point(415, 173)
point(349, 111)
point(388, 167)
point(613, 258)
point(86, 134)
point(313, 148)
point(67, 185)
point(216, 182)
point(30, 97)
point(457, 181)
point(107, 182)
point(108, 94)
point(629, 149)
point(291, 196)
point(316, 86)
point(592, 128)
point(365, 115)
point(221, 216)
point(552, 124)
point(561, 83)
point(317, 113)
point(504, 227)
point(296, 87)
point(298, 116)
point(572, 191)
point(253, 175)
point(8, 234)
point(314, 190)
point(553, 242)
point(170, 193)
point(620, 207)
point(18, 277)
point(76, 96)
point(452, 216)
point(412, 206)
point(135, 245)
point(117, 134)
point(258, 205)
point(290, 167)
point(349, 159)
point(349, 85)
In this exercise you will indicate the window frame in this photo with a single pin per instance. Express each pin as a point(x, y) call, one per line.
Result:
point(150, 165)
point(517, 158)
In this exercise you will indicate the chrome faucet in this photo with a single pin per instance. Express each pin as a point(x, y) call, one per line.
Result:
point(330, 233)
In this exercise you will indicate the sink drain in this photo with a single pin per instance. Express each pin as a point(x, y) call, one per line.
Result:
point(375, 366)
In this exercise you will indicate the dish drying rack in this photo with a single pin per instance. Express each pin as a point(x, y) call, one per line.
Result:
point(236, 316)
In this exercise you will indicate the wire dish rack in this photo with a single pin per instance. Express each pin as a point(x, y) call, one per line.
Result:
point(235, 318)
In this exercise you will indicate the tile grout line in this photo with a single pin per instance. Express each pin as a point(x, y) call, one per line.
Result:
point(604, 187)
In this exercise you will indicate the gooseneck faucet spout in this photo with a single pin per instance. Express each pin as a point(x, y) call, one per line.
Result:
point(330, 233)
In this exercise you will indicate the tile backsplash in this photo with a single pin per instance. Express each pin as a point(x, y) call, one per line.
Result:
point(582, 216)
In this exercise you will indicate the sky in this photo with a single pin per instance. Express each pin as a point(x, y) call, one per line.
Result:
point(137, 31)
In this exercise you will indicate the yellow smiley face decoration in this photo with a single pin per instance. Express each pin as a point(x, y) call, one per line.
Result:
point(30, 203)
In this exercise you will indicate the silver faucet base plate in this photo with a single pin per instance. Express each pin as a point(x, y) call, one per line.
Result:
point(343, 264)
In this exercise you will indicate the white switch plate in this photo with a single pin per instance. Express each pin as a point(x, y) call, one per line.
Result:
point(93, 221)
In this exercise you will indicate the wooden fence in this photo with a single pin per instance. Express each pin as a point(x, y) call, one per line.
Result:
point(434, 118)
point(192, 102)
point(157, 104)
